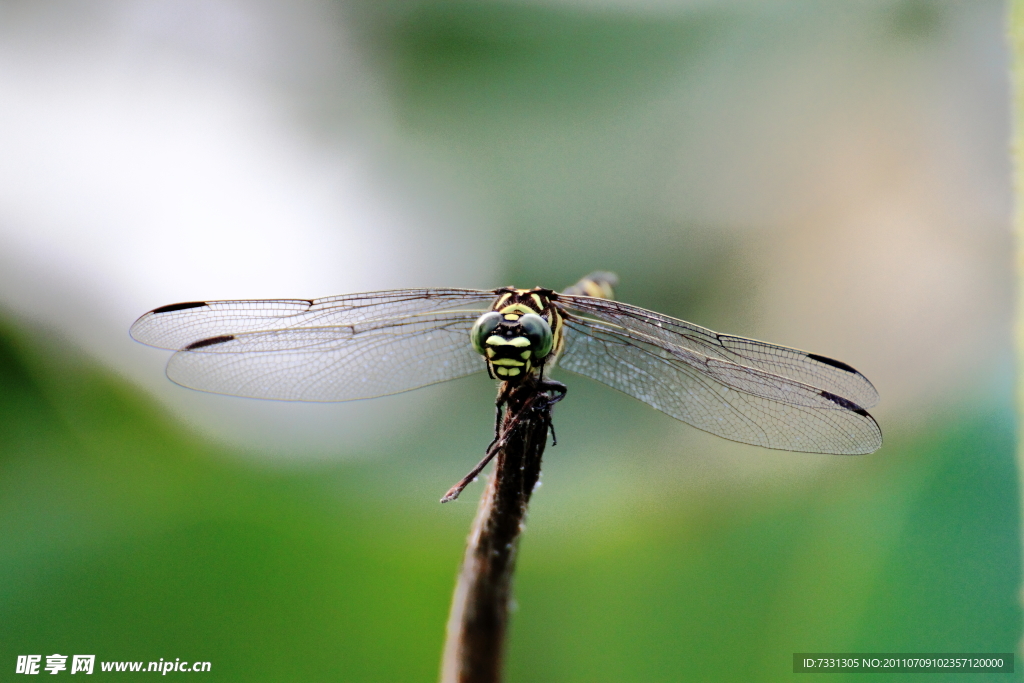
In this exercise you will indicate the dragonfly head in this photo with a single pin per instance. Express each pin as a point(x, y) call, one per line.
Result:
point(513, 342)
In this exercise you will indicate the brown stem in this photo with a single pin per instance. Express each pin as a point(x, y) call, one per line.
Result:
point(479, 616)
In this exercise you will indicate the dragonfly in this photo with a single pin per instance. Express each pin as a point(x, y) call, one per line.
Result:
point(371, 344)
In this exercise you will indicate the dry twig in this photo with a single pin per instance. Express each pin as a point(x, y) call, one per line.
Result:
point(479, 616)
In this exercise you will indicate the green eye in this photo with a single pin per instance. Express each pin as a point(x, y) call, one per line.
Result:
point(482, 329)
point(539, 333)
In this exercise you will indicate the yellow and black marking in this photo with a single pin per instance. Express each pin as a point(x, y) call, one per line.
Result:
point(599, 285)
point(523, 333)
point(520, 334)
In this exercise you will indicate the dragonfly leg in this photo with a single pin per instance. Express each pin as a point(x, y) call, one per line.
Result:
point(497, 427)
point(554, 392)
point(551, 428)
point(551, 385)
point(499, 404)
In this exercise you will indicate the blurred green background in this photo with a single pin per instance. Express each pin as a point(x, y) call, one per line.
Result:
point(831, 177)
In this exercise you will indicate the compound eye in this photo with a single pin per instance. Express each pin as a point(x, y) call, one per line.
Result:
point(538, 332)
point(482, 329)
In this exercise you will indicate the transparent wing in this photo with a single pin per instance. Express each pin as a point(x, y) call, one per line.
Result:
point(178, 325)
point(736, 402)
point(332, 363)
point(833, 376)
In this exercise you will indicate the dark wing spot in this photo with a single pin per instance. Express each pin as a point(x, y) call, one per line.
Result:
point(844, 403)
point(209, 342)
point(834, 363)
point(178, 307)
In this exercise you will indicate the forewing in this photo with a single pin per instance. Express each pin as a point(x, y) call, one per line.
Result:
point(332, 363)
point(833, 376)
point(178, 325)
point(735, 402)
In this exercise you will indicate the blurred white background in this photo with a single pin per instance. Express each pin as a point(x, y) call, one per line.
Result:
point(156, 152)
